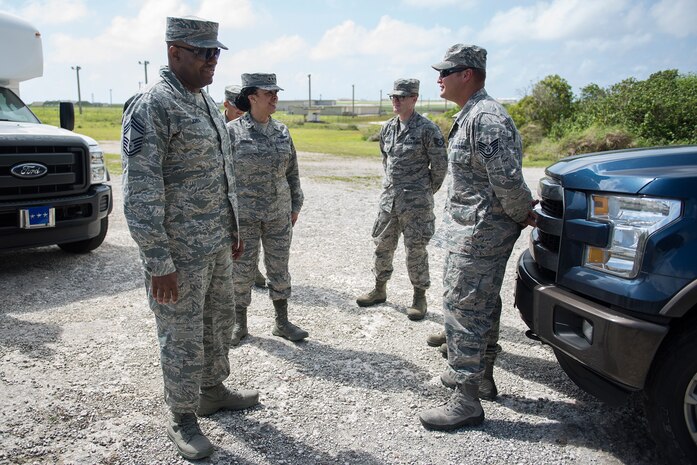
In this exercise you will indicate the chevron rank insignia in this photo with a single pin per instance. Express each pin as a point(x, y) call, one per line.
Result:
point(488, 150)
point(133, 131)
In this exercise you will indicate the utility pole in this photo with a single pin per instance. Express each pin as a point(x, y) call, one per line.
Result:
point(110, 101)
point(309, 91)
point(79, 98)
point(353, 99)
point(145, 64)
point(380, 107)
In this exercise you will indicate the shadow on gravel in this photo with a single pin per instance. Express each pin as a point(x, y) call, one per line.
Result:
point(619, 431)
point(30, 338)
point(372, 370)
point(278, 447)
point(47, 277)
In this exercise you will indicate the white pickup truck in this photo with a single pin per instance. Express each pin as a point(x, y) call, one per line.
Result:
point(53, 182)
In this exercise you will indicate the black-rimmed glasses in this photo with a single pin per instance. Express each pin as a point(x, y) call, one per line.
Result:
point(202, 53)
point(447, 72)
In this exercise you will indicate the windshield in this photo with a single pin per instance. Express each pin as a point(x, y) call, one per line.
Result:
point(13, 109)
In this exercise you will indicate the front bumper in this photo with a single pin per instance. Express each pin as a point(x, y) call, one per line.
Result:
point(78, 218)
point(621, 348)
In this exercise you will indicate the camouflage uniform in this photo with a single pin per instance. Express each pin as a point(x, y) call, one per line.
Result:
point(487, 202)
point(415, 164)
point(181, 209)
point(268, 189)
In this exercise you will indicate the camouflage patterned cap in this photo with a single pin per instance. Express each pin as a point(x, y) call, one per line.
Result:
point(461, 55)
point(406, 87)
point(193, 31)
point(231, 92)
point(261, 80)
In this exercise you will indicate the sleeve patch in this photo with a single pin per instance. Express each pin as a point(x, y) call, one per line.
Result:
point(488, 150)
point(133, 131)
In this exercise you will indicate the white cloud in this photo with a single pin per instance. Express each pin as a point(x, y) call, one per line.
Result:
point(55, 11)
point(558, 20)
point(461, 4)
point(676, 17)
point(266, 56)
point(393, 39)
point(236, 14)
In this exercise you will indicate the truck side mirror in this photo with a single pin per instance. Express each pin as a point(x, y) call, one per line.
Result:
point(67, 115)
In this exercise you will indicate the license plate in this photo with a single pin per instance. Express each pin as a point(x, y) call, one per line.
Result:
point(37, 217)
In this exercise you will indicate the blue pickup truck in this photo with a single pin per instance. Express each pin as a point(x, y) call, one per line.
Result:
point(609, 281)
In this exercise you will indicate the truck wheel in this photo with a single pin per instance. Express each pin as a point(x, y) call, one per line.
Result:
point(670, 398)
point(89, 244)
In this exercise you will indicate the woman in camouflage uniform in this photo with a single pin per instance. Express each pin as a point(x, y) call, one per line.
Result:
point(270, 199)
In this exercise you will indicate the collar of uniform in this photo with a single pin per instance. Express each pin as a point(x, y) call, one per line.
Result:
point(248, 122)
point(395, 120)
point(473, 100)
point(170, 78)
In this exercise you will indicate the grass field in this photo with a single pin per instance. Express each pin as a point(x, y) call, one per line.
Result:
point(338, 135)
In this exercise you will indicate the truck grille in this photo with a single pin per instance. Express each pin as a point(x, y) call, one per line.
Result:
point(544, 243)
point(67, 168)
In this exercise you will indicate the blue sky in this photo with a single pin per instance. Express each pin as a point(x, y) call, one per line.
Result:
point(361, 43)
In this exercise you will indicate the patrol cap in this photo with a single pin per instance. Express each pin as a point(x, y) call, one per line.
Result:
point(463, 56)
point(266, 81)
point(405, 87)
point(231, 92)
point(193, 31)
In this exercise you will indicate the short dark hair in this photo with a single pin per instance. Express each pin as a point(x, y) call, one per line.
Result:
point(479, 73)
point(242, 100)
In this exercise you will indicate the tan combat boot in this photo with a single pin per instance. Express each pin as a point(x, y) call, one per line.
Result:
point(239, 329)
point(184, 432)
point(462, 409)
point(375, 296)
point(219, 397)
point(418, 307)
point(436, 339)
point(283, 327)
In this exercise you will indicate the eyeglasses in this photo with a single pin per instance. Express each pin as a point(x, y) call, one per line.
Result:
point(447, 72)
point(400, 97)
point(202, 53)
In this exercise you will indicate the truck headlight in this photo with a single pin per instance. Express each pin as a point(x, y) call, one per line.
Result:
point(633, 220)
point(97, 166)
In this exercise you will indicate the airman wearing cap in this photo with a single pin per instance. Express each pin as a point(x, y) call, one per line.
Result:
point(181, 209)
point(415, 162)
point(231, 110)
point(488, 204)
point(270, 199)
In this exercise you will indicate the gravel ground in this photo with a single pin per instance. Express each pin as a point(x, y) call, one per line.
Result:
point(81, 382)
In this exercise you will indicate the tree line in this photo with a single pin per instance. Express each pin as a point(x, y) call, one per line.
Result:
point(661, 110)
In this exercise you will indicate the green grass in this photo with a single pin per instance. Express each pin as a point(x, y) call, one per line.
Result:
point(99, 123)
point(334, 141)
point(336, 135)
point(113, 163)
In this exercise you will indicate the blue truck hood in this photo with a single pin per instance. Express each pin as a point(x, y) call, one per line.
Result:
point(662, 171)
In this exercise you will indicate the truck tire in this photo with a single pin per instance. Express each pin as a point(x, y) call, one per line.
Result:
point(88, 245)
point(670, 397)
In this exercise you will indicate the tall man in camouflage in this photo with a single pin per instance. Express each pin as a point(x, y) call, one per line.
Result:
point(415, 163)
point(488, 204)
point(231, 113)
point(181, 209)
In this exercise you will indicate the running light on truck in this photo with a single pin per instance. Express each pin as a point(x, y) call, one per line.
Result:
point(633, 220)
point(97, 167)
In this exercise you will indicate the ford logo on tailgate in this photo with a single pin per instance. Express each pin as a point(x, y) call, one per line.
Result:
point(29, 170)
